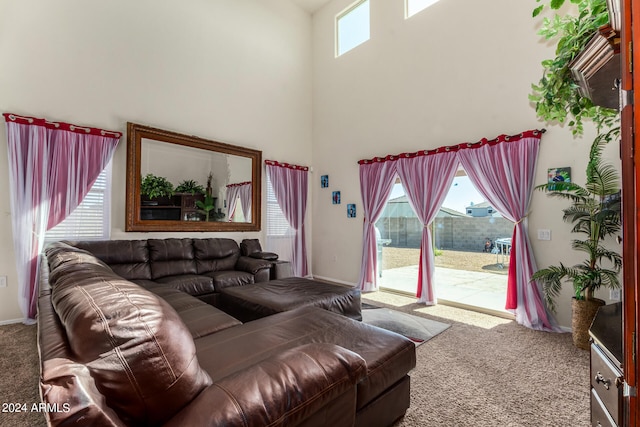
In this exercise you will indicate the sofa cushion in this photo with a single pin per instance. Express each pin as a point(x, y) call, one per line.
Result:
point(389, 356)
point(139, 352)
point(61, 257)
point(215, 254)
point(201, 318)
point(193, 284)
point(127, 258)
point(250, 246)
point(225, 279)
point(310, 385)
point(171, 257)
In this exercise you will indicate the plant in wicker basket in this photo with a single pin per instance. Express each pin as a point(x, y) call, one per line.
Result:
point(595, 214)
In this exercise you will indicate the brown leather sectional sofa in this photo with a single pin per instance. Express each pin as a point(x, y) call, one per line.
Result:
point(127, 342)
point(199, 267)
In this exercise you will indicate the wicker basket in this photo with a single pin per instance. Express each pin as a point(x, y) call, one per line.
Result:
point(582, 314)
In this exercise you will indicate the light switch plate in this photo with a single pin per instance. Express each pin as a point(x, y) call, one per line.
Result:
point(544, 234)
point(614, 294)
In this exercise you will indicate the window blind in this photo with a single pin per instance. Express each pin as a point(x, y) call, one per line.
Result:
point(91, 219)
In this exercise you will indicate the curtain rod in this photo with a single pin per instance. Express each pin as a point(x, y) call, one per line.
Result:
point(534, 133)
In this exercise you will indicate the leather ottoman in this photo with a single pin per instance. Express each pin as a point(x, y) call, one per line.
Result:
point(263, 299)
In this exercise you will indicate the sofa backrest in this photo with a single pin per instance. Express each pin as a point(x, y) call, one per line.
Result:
point(65, 383)
point(134, 345)
point(215, 254)
point(156, 258)
point(127, 258)
point(170, 257)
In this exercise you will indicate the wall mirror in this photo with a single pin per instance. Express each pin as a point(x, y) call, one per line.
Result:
point(177, 182)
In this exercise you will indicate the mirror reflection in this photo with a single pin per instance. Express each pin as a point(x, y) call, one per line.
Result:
point(203, 191)
point(181, 183)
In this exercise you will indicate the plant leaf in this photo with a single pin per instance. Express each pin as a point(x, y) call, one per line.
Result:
point(537, 11)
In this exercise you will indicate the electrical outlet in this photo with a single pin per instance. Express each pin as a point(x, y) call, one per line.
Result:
point(3, 281)
point(614, 294)
point(544, 234)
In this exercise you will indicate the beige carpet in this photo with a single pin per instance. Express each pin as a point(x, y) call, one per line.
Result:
point(489, 371)
point(481, 371)
point(19, 376)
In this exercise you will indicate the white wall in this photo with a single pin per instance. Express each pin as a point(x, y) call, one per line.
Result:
point(438, 78)
point(233, 71)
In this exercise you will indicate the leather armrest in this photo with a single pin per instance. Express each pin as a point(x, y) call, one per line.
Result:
point(252, 265)
point(290, 386)
point(269, 256)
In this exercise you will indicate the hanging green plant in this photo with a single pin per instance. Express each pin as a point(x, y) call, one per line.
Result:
point(556, 96)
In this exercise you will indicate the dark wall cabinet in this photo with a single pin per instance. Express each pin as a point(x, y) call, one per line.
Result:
point(606, 366)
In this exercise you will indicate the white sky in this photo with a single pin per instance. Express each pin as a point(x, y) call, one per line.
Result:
point(461, 194)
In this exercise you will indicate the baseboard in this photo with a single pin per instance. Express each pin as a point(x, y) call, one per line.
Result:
point(440, 301)
point(11, 321)
point(484, 310)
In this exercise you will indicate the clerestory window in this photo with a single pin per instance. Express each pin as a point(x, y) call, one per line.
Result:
point(352, 27)
point(411, 7)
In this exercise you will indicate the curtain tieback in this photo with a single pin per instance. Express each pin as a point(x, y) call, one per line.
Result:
point(522, 219)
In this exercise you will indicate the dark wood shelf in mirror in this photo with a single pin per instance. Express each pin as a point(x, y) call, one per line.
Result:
point(178, 158)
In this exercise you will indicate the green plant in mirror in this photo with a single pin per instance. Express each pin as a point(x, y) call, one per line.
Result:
point(595, 214)
point(190, 186)
point(206, 206)
point(556, 96)
point(154, 186)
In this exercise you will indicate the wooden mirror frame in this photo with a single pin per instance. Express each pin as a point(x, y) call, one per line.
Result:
point(135, 134)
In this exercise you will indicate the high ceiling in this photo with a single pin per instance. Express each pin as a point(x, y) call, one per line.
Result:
point(311, 5)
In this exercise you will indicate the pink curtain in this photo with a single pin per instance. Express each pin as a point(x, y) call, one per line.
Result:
point(503, 173)
point(52, 166)
point(426, 181)
point(245, 200)
point(232, 200)
point(290, 186)
point(240, 191)
point(376, 183)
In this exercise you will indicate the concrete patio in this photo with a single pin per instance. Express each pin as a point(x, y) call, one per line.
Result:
point(484, 292)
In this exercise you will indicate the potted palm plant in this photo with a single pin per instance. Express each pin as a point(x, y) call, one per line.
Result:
point(595, 215)
point(206, 206)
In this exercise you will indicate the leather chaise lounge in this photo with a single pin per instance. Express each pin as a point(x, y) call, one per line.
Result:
point(115, 352)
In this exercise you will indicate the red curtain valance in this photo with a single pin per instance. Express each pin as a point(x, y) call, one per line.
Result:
point(286, 165)
point(59, 125)
point(239, 184)
point(535, 133)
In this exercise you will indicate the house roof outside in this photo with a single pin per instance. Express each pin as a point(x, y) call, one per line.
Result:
point(399, 207)
point(480, 205)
